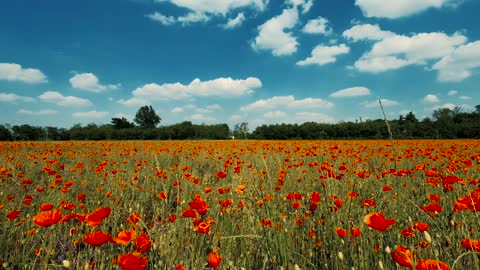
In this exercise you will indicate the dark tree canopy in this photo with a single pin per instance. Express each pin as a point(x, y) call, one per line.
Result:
point(121, 123)
point(146, 117)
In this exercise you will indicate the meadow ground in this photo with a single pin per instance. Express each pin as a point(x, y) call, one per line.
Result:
point(240, 205)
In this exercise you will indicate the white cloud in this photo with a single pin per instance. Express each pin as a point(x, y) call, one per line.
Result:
point(322, 55)
point(88, 81)
point(397, 8)
point(302, 117)
point(40, 112)
point(275, 114)
point(235, 22)
point(465, 97)
point(366, 32)
point(13, 98)
point(177, 110)
point(397, 51)
point(317, 26)
point(431, 98)
point(272, 35)
point(221, 87)
point(305, 5)
point(134, 102)
point(59, 99)
point(203, 118)
point(90, 114)
point(452, 92)
point(163, 19)
point(193, 17)
point(351, 92)
point(221, 7)
point(448, 106)
point(235, 117)
point(15, 72)
point(458, 64)
point(286, 102)
point(385, 103)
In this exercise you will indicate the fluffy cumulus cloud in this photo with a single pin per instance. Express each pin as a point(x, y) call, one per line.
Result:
point(317, 26)
point(203, 118)
point(452, 92)
point(203, 10)
point(221, 87)
point(459, 63)
point(177, 110)
point(40, 112)
point(322, 55)
point(385, 103)
point(431, 98)
point(14, 98)
point(235, 22)
point(276, 102)
point(15, 72)
point(366, 32)
point(398, 8)
point(351, 92)
point(397, 51)
point(61, 100)
point(273, 35)
point(89, 82)
point(90, 114)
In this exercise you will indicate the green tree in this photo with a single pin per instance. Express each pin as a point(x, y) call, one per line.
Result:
point(146, 117)
point(121, 123)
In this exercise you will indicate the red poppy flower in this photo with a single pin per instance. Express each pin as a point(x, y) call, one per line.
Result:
point(48, 218)
point(378, 222)
point(132, 261)
point(97, 238)
point(403, 256)
point(421, 226)
point(124, 237)
point(221, 174)
point(46, 206)
point(315, 197)
point(368, 202)
point(203, 228)
point(214, 260)
point(355, 232)
point(296, 205)
point(431, 265)
point(97, 216)
point(471, 244)
point(143, 243)
point(13, 214)
point(341, 232)
point(433, 207)
point(189, 213)
point(470, 202)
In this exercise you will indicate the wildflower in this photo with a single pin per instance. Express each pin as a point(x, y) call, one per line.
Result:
point(471, 244)
point(377, 221)
point(214, 260)
point(98, 238)
point(94, 218)
point(124, 237)
point(143, 243)
point(48, 218)
point(132, 261)
point(402, 256)
point(431, 265)
point(13, 214)
point(341, 232)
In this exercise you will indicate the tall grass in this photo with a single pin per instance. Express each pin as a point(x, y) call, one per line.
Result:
point(269, 224)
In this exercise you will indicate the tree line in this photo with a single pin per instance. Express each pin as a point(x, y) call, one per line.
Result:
point(445, 123)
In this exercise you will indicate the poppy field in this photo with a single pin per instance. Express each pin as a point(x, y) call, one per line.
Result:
point(240, 205)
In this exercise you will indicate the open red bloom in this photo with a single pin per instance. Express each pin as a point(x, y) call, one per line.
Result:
point(431, 265)
point(221, 174)
point(94, 218)
point(124, 237)
point(315, 197)
point(341, 232)
point(355, 232)
point(433, 207)
point(143, 243)
point(132, 261)
point(469, 202)
point(378, 222)
point(471, 244)
point(203, 227)
point(13, 214)
point(48, 218)
point(214, 260)
point(421, 226)
point(403, 256)
point(97, 238)
point(46, 206)
point(189, 213)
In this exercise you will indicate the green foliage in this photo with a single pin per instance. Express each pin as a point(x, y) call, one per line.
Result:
point(146, 117)
point(121, 123)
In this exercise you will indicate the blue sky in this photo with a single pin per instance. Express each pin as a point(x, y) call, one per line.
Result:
point(231, 61)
